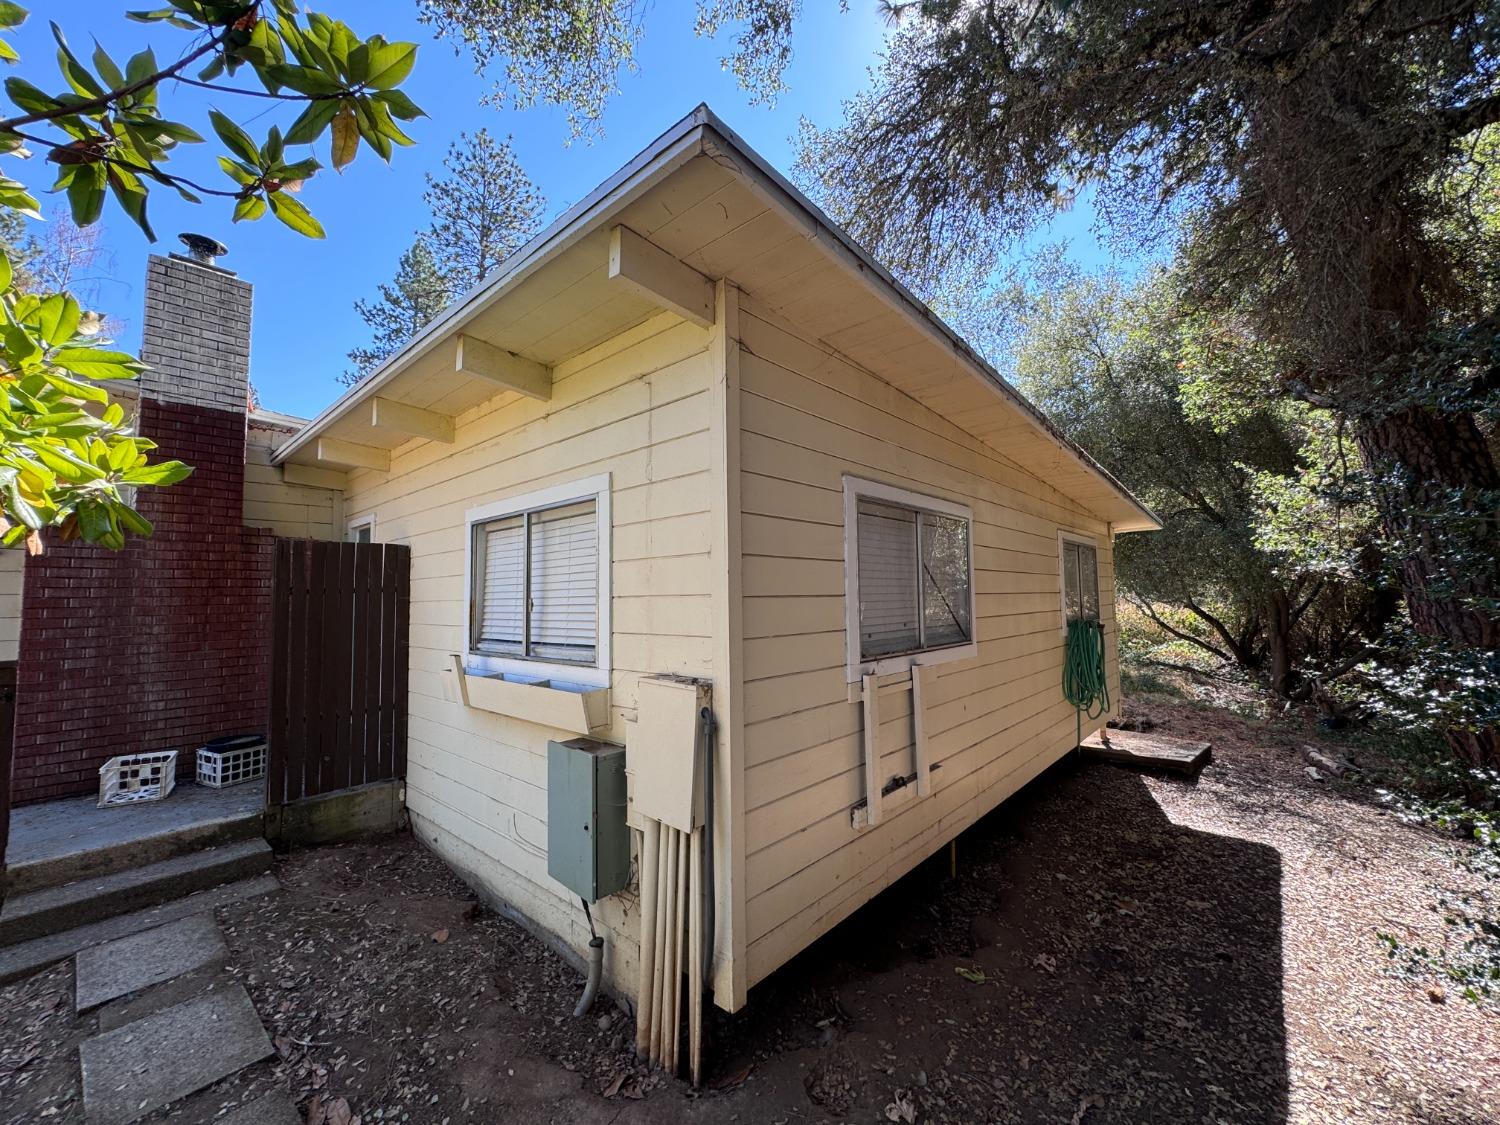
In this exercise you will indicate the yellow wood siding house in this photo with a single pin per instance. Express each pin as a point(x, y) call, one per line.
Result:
point(692, 430)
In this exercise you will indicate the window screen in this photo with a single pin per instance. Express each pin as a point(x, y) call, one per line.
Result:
point(1080, 581)
point(536, 584)
point(913, 581)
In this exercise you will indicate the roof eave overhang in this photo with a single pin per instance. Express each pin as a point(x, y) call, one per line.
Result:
point(674, 148)
point(701, 132)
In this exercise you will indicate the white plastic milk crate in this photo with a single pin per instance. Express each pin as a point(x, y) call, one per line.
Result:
point(133, 778)
point(230, 761)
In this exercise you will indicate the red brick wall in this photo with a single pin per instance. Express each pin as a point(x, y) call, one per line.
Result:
point(160, 646)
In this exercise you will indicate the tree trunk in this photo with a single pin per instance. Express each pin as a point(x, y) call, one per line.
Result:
point(1279, 640)
point(1436, 489)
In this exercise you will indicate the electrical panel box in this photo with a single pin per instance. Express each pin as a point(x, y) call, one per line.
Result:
point(588, 845)
point(665, 759)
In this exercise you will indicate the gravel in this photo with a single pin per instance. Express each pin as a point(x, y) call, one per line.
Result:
point(1116, 947)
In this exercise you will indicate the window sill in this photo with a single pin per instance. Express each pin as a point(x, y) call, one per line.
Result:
point(560, 705)
point(855, 671)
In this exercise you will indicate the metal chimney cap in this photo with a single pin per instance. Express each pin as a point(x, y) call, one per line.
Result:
point(202, 248)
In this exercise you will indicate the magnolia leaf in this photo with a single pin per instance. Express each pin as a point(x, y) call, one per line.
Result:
point(96, 363)
point(113, 77)
point(312, 121)
point(389, 64)
point(345, 136)
point(11, 14)
point(29, 97)
point(249, 209)
point(141, 65)
point(163, 472)
point(67, 465)
point(238, 172)
point(177, 132)
point(237, 140)
point(369, 129)
point(133, 520)
point(6, 272)
point(73, 71)
point(74, 388)
point(57, 318)
point(400, 105)
point(291, 212)
point(304, 79)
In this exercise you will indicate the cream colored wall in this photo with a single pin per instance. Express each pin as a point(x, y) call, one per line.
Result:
point(294, 510)
point(993, 722)
point(639, 407)
point(12, 567)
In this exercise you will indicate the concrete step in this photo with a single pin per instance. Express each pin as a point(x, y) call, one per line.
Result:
point(27, 957)
point(55, 909)
point(64, 841)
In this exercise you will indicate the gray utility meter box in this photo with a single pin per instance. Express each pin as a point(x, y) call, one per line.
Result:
point(588, 845)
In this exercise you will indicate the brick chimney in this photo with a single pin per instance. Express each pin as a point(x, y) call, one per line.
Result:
point(196, 336)
point(162, 645)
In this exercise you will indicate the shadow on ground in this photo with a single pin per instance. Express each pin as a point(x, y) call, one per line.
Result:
point(1091, 958)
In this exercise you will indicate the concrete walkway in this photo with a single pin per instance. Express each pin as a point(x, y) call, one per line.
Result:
point(172, 1023)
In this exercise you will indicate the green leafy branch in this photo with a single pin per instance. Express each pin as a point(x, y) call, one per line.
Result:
point(114, 140)
point(70, 460)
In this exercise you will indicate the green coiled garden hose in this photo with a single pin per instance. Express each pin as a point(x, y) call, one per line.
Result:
point(1085, 684)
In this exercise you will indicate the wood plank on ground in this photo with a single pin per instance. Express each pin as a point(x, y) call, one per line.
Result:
point(1148, 750)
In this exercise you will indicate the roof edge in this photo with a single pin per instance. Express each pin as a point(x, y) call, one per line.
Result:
point(703, 131)
point(824, 229)
point(674, 147)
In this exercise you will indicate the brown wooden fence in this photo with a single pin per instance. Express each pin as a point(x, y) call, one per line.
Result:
point(338, 666)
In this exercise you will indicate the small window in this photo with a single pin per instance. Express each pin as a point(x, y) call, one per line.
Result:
point(1080, 581)
point(536, 578)
point(362, 530)
point(910, 584)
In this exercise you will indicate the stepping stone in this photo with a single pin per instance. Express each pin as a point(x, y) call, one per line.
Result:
point(272, 1109)
point(129, 964)
point(17, 961)
point(136, 1069)
point(168, 994)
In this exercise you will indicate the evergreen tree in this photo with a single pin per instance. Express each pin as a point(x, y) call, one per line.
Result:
point(418, 293)
point(483, 210)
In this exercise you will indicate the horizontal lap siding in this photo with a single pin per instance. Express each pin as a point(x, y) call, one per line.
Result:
point(12, 568)
point(294, 511)
point(636, 407)
point(993, 722)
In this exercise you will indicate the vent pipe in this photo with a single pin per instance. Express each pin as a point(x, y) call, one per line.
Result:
point(203, 249)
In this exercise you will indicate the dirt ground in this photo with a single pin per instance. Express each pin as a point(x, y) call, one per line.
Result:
point(1114, 948)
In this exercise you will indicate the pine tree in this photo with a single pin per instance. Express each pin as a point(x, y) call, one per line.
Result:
point(483, 210)
point(418, 293)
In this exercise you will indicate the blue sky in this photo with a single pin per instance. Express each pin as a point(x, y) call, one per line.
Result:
point(305, 289)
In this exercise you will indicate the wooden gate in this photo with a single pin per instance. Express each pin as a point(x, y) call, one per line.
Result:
point(338, 667)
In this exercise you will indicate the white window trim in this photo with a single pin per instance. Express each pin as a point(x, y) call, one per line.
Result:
point(366, 520)
point(596, 488)
point(1062, 575)
point(855, 668)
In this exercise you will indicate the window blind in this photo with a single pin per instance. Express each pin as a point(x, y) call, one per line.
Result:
point(887, 538)
point(503, 588)
point(565, 583)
